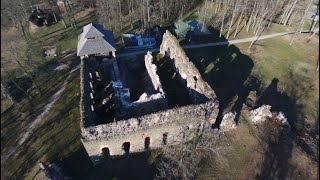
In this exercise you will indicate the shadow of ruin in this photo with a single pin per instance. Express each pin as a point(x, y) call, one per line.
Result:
point(130, 106)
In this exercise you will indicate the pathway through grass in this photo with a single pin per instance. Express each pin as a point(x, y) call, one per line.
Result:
point(32, 127)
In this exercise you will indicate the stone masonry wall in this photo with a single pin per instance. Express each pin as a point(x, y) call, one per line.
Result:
point(154, 125)
point(85, 102)
point(147, 102)
point(152, 71)
point(199, 91)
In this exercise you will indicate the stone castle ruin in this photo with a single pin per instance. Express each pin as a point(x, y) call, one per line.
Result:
point(124, 103)
point(198, 90)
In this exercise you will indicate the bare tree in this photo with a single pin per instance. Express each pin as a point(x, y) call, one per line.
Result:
point(315, 20)
point(17, 58)
point(120, 13)
point(251, 14)
point(16, 12)
point(300, 27)
point(55, 7)
point(233, 15)
point(222, 21)
point(293, 16)
point(239, 20)
point(11, 77)
point(290, 12)
point(304, 15)
point(261, 27)
point(195, 143)
point(161, 9)
point(182, 161)
point(314, 32)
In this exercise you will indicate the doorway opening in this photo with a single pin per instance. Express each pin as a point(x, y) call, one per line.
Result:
point(147, 143)
point(126, 147)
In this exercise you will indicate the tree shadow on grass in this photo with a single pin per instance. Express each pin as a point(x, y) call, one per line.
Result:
point(40, 132)
point(227, 71)
point(277, 163)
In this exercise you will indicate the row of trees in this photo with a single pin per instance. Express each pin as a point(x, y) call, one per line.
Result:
point(117, 14)
point(256, 15)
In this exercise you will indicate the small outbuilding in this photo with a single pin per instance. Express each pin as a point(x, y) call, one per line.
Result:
point(41, 17)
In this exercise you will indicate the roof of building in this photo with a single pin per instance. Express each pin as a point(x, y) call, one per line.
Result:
point(199, 27)
point(94, 39)
point(182, 28)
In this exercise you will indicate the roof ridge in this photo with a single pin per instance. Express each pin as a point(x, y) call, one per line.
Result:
point(90, 31)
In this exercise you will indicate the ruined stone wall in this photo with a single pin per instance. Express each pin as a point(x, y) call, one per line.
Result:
point(86, 114)
point(198, 89)
point(135, 130)
point(152, 71)
point(152, 126)
point(148, 103)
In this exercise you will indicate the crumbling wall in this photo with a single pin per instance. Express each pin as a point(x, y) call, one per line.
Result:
point(154, 125)
point(152, 71)
point(199, 91)
point(228, 122)
point(263, 113)
point(147, 102)
point(177, 115)
point(87, 115)
point(164, 127)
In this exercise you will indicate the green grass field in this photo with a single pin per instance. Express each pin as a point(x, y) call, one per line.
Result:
point(58, 134)
point(295, 67)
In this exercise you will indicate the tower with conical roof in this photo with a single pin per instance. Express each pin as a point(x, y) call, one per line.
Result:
point(95, 40)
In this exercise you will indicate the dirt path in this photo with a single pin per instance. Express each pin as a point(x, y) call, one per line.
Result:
point(32, 127)
point(211, 44)
point(237, 41)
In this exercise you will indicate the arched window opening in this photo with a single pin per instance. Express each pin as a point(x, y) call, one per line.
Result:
point(165, 138)
point(126, 147)
point(147, 143)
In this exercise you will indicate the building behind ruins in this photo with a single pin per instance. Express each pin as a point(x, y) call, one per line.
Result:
point(124, 105)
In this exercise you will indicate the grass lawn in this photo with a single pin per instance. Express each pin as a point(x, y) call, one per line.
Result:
point(227, 68)
point(242, 146)
point(58, 133)
point(5, 104)
point(294, 66)
point(254, 152)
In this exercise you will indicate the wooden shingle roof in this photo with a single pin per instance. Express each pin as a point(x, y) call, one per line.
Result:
point(94, 39)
